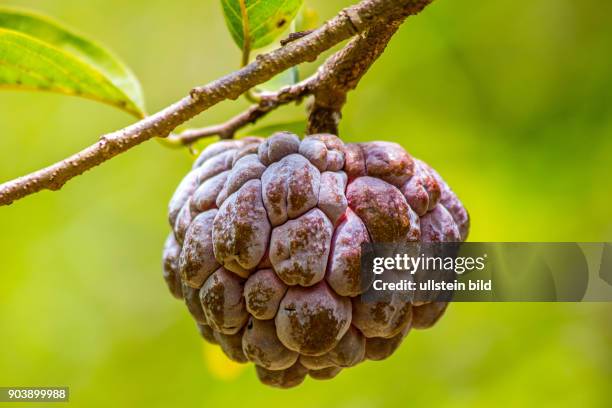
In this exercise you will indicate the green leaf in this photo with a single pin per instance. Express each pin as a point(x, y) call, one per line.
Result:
point(265, 20)
point(38, 54)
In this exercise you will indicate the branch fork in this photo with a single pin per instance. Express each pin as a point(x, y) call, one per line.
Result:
point(371, 24)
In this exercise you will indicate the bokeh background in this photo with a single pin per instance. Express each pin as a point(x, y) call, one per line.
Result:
point(511, 102)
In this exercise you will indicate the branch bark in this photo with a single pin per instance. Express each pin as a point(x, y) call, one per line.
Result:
point(267, 103)
point(339, 74)
point(342, 72)
point(351, 21)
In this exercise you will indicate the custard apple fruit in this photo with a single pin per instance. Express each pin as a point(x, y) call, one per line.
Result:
point(265, 249)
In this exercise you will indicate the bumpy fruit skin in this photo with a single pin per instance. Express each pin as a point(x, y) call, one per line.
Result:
point(265, 249)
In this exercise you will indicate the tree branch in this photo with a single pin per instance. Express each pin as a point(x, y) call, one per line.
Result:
point(267, 103)
point(339, 74)
point(342, 72)
point(349, 22)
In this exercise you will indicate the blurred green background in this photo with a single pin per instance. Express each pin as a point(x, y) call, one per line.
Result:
point(511, 102)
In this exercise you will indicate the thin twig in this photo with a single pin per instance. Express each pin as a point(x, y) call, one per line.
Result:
point(339, 74)
point(294, 36)
point(346, 24)
point(267, 103)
